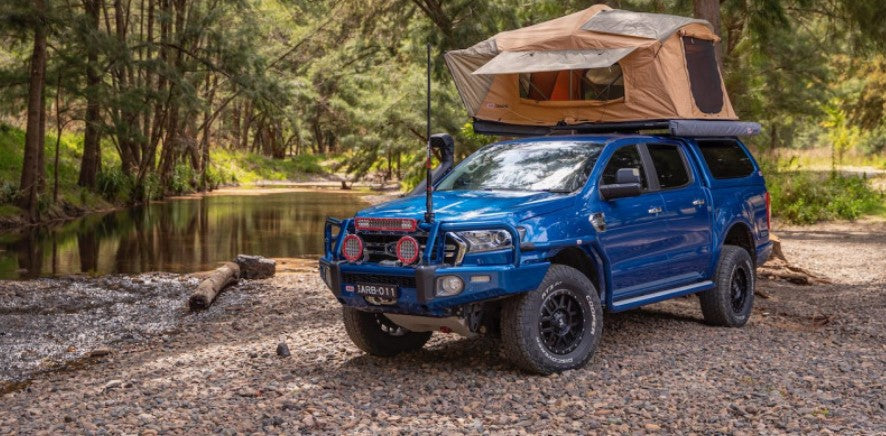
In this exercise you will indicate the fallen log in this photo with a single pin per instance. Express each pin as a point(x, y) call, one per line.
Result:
point(210, 287)
point(778, 267)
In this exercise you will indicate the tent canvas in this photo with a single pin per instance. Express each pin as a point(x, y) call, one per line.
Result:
point(595, 65)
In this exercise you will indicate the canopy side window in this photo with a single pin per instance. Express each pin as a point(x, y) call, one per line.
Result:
point(591, 84)
point(704, 76)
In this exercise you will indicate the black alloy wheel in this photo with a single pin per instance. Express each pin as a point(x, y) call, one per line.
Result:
point(556, 327)
point(738, 290)
point(562, 322)
point(730, 302)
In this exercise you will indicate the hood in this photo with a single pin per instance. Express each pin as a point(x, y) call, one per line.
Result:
point(473, 206)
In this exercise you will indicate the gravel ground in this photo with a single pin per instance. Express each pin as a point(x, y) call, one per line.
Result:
point(811, 360)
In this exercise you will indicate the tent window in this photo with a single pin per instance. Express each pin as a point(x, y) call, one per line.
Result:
point(704, 76)
point(594, 84)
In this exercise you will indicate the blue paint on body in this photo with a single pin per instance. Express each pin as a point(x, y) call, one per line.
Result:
point(640, 258)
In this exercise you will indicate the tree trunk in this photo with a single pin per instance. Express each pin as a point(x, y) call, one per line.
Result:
point(207, 128)
point(710, 10)
point(90, 164)
point(41, 151)
point(58, 136)
point(29, 186)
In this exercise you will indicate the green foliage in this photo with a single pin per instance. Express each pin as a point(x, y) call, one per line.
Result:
point(113, 184)
point(184, 179)
point(807, 197)
point(8, 192)
point(345, 82)
point(874, 142)
point(307, 164)
point(841, 134)
point(232, 168)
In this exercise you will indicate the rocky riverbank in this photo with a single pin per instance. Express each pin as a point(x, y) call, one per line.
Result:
point(810, 360)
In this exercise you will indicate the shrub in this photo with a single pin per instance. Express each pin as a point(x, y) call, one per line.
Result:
point(8, 193)
point(113, 184)
point(149, 189)
point(806, 197)
point(183, 180)
point(307, 163)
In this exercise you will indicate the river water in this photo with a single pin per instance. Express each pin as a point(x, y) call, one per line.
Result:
point(182, 235)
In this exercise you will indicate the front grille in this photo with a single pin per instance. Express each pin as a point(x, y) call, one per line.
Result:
point(377, 279)
point(380, 246)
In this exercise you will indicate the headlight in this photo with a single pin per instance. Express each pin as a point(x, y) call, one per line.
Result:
point(485, 240)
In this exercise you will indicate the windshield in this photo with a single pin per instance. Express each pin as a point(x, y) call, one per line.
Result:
point(553, 166)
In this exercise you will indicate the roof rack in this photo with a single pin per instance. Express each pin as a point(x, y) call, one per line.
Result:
point(692, 128)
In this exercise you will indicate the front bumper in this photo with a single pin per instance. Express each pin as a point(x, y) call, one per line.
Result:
point(417, 285)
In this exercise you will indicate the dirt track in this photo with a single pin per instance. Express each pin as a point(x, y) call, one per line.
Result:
point(810, 360)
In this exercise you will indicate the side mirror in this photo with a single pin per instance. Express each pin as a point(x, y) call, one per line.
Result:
point(627, 184)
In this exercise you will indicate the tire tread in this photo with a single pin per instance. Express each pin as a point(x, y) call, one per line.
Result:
point(715, 304)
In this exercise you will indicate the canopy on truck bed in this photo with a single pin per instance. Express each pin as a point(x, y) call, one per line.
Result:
point(593, 66)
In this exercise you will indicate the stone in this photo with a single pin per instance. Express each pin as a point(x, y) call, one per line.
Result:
point(256, 267)
point(112, 384)
point(283, 349)
point(100, 352)
point(248, 393)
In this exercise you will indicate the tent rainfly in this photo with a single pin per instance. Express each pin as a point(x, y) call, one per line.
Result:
point(596, 65)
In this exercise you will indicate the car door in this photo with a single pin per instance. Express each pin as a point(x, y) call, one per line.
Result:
point(635, 237)
point(686, 212)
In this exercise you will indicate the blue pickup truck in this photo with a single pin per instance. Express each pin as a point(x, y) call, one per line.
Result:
point(535, 238)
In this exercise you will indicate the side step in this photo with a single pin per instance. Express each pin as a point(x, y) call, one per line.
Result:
point(642, 300)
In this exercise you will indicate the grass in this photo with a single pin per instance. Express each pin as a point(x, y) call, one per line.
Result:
point(230, 167)
point(70, 153)
point(820, 158)
point(807, 197)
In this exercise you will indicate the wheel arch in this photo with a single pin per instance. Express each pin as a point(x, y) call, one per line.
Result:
point(739, 234)
point(588, 263)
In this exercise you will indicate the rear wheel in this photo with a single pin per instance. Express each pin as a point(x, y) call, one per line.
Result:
point(556, 327)
point(729, 304)
point(377, 335)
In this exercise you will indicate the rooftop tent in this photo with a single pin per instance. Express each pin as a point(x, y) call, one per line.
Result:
point(596, 65)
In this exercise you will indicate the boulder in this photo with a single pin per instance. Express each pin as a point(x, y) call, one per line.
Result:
point(255, 267)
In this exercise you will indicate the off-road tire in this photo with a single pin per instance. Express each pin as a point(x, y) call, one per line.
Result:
point(721, 306)
point(523, 340)
point(370, 333)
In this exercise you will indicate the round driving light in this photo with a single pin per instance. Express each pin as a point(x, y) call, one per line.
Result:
point(449, 285)
point(352, 248)
point(407, 250)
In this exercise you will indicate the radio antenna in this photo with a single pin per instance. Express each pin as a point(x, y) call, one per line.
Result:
point(429, 188)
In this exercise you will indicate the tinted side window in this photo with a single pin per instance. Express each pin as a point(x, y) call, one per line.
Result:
point(625, 157)
point(726, 159)
point(669, 165)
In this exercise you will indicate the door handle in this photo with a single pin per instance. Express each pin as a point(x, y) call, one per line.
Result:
point(698, 202)
point(654, 210)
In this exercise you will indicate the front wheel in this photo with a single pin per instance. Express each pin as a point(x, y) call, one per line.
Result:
point(729, 304)
point(377, 335)
point(556, 327)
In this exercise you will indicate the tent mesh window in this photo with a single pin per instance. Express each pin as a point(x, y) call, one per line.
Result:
point(704, 76)
point(593, 84)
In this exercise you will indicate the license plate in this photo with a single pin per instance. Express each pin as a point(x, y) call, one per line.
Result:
point(383, 291)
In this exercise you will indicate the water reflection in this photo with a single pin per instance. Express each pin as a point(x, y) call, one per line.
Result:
point(177, 236)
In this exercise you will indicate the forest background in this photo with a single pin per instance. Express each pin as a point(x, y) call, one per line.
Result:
point(116, 102)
